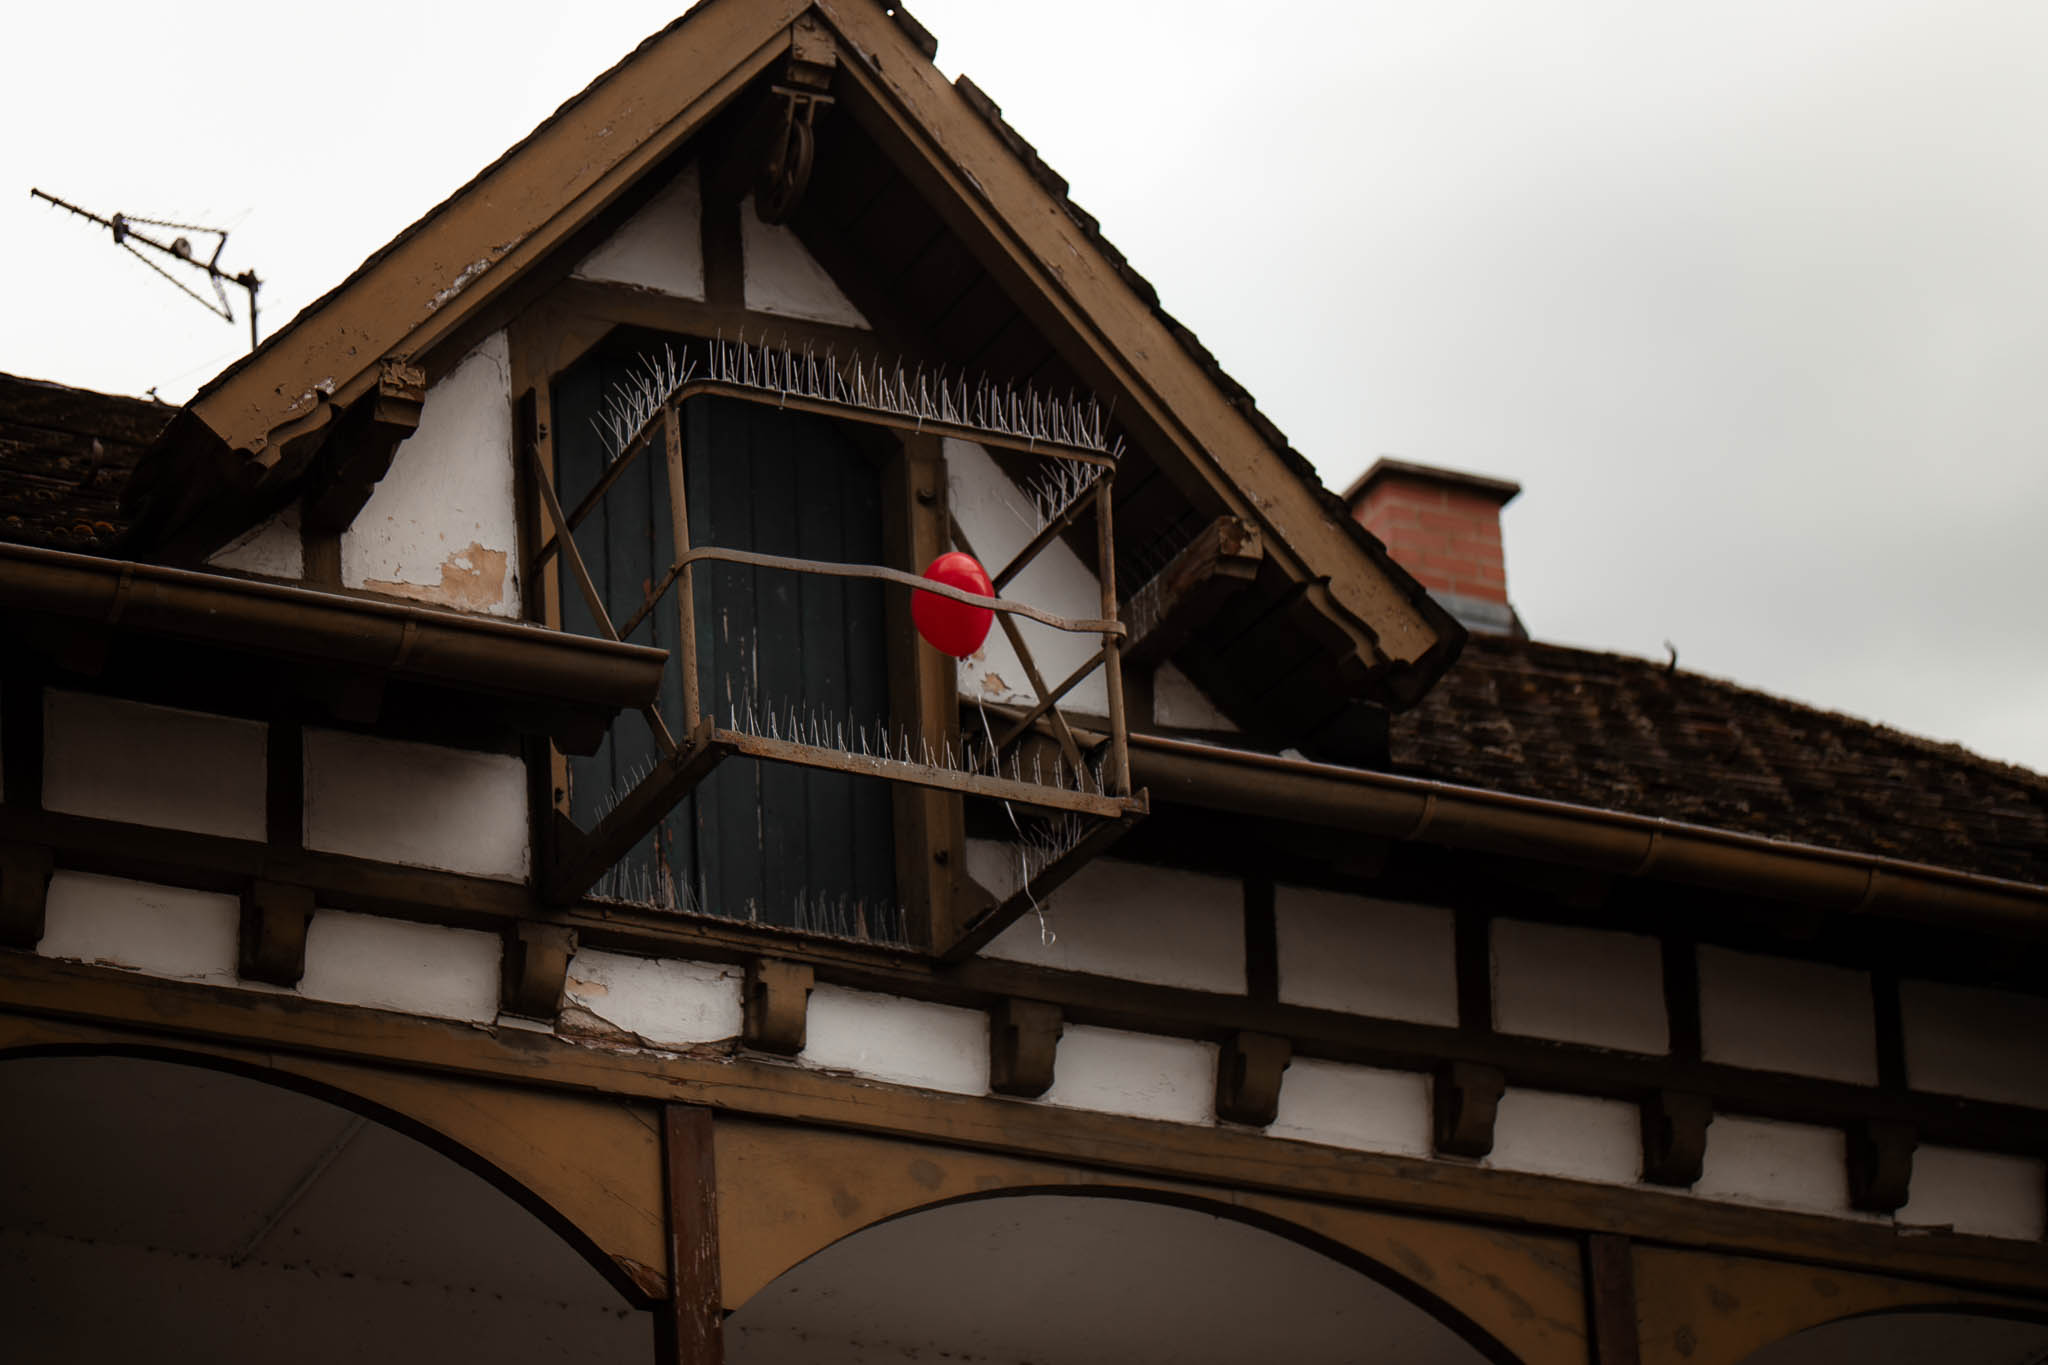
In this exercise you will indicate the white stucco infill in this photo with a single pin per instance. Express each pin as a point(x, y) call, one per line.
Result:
point(270, 549)
point(419, 804)
point(999, 521)
point(1982, 1044)
point(1383, 959)
point(661, 247)
point(1137, 1074)
point(663, 1001)
point(153, 765)
point(1132, 921)
point(783, 278)
point(1984, 1193)
point(1782, 1165)
point(392, 964)
point(165, 931)
point(442, 526)
point(1574, 985)
point(907, 1042)
point(1579, 1137)
point(1365, 1108)
point(1779, 1014)
point(1180, 705)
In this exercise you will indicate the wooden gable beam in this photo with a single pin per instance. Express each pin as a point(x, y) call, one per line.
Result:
point(1166, 611)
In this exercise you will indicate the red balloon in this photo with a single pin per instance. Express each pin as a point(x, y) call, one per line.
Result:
point(954, 627)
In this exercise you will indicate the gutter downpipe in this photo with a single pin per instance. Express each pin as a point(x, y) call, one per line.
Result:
point(1408, 809)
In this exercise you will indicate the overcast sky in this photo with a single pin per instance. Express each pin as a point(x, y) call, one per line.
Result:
point(1751, 298)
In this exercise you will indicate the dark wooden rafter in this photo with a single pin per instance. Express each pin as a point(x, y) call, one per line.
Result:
point(359, 447)
point(1165, 612)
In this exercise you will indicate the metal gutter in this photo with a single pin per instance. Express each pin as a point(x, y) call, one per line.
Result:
point(476, 654)
point(1414, 809)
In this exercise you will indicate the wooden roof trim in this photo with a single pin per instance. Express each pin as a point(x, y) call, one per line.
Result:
point(1016, 209)
point(438, 273)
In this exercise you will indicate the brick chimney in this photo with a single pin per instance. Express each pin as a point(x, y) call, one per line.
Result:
point(1444, 527)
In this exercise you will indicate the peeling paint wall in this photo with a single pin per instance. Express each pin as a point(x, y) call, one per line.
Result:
point(419, 804)
point(442, 526)
point(657, 1001)
point(660, 248)
point(999, 521)
point(153, 765)
point(271, 549)
point(783, 278)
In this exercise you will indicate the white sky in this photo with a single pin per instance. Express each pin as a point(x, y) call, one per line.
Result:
point(1751, 297)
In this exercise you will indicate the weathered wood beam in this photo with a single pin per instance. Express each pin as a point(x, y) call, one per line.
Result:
point(1166, 611)
point(691, 1329)
point(1611, 1326)
point(1023, 1040)
point(584, 859)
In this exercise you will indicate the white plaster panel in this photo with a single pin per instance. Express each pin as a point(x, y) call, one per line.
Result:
point(783, 278)
point(661, 247)
point(1785, 1165)
point(1576, 1136)
point(1779, 1014)
point(1380, 958)
point(419, 804)
point(391, 964)
point(664, 1001)
point(1138, 1074)
point(152, 765)
point(163, 931)
point(999, 520)
point(442, 525)
point(1576, 985)
point(1361, 1107)
point(1179, 704)
point(271, 548)
point(908, 1042)
point(1139, 923)
point(1983, 1193)
point(1988, 1045)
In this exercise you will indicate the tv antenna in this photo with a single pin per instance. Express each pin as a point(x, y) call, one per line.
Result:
point(178, 250)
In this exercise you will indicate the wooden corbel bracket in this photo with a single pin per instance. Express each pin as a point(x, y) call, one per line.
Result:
point(24, 892)
point(1023, 1040)
point(1465, 1098)
point(359, 448)
point(272, 946)
point(1248, 1072)
point(1880, 1165)
point(535, 969)
point(1675, 1137)
point(777, 1001)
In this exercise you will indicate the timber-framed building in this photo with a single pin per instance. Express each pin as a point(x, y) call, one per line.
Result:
point(489, 869)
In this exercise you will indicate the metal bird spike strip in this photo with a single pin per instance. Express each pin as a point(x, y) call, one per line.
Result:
point(911, 396)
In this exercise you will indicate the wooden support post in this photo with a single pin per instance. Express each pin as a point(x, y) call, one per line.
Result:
point(24, 891)
point(776, 1006)
point(1248, 1071)
point(272, 945)
point(1675, 1137)
point(1117, 777)
point(686, 604)
point(1465, 1097)
point(1880, 1165)
point(535, 968)
point(1611, 1328)
point(1023, 1040)
point(690, 1329)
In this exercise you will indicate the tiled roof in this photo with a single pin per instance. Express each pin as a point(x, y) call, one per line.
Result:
point(1626, 734)
point(65, 456)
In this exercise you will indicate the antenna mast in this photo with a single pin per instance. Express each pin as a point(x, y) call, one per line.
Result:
point(178, 250)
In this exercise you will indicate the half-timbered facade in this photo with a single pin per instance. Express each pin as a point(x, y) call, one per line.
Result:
point(489, 868)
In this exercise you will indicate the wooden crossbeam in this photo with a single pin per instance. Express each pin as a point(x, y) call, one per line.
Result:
point(581, 861)
point(1166, 611)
